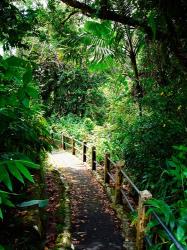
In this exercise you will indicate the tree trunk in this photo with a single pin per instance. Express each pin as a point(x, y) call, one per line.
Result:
point(138, 87)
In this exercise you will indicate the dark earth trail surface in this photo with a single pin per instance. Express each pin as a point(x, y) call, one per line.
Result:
point(94, 223)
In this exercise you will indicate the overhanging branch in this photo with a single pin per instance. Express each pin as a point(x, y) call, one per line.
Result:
point(69, 16)
point(107, 15)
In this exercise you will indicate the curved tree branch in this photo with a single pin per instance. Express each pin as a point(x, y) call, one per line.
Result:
point(108, 15)
point(69, 16)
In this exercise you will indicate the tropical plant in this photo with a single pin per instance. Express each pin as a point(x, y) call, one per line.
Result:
point(173, 213)
point(24, 133)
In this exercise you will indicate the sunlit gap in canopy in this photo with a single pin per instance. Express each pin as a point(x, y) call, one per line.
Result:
point(32, 4)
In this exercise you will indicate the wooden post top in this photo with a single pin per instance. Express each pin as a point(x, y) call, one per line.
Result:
point(145, 195)
point(120, 164)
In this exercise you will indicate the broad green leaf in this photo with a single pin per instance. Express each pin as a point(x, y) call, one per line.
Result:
point(1, 214)
point(180, 233)
point(7, 193)
point(24, 171)
point(8, 203)
point(103, 65)
point(172, 247)
point(32, 92)
point(5, 178)
point(152, 23)
point(14, 171)
point(29, 164)
point(27, 77)
point(185, 172)
point(87, 40)
point(15, 62)
point(151, 224)
point(171, 163)
point(21, 93)
point(1, 247)
point(40, 203)
point(98, 29)
point(180, 148)
point(26, 102)
point(162, 208)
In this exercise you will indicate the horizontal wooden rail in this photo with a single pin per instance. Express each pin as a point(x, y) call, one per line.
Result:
point(120, 194)
point(127, 200)
point(87, 146)
point(113, 163)
point(99, 165)
point(112, 177)
point(130, 181)
point(78, 141)
point(89, 158)
point(78, 149)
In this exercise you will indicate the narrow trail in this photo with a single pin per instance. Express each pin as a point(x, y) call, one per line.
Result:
point(94, 224)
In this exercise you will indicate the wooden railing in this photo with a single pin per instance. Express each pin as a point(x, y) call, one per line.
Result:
point(121, 196)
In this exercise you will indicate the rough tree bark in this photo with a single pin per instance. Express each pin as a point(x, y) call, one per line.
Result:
point(106, 14)
point(138, 89)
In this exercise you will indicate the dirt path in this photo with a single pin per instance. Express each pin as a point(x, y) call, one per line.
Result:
point(94, 224)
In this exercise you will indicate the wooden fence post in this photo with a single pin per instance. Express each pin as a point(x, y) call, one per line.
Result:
point(142, 219)
point(107, 168)
point(118, 183)
point(84, 151)
point(63, 142)
point(93, 158)
point(73, 146)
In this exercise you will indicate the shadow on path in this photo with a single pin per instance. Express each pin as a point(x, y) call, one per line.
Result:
point(94, 224)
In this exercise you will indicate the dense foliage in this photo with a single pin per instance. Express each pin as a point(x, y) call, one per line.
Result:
point(24, 132)
point(109, 72)
point(65, 90)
